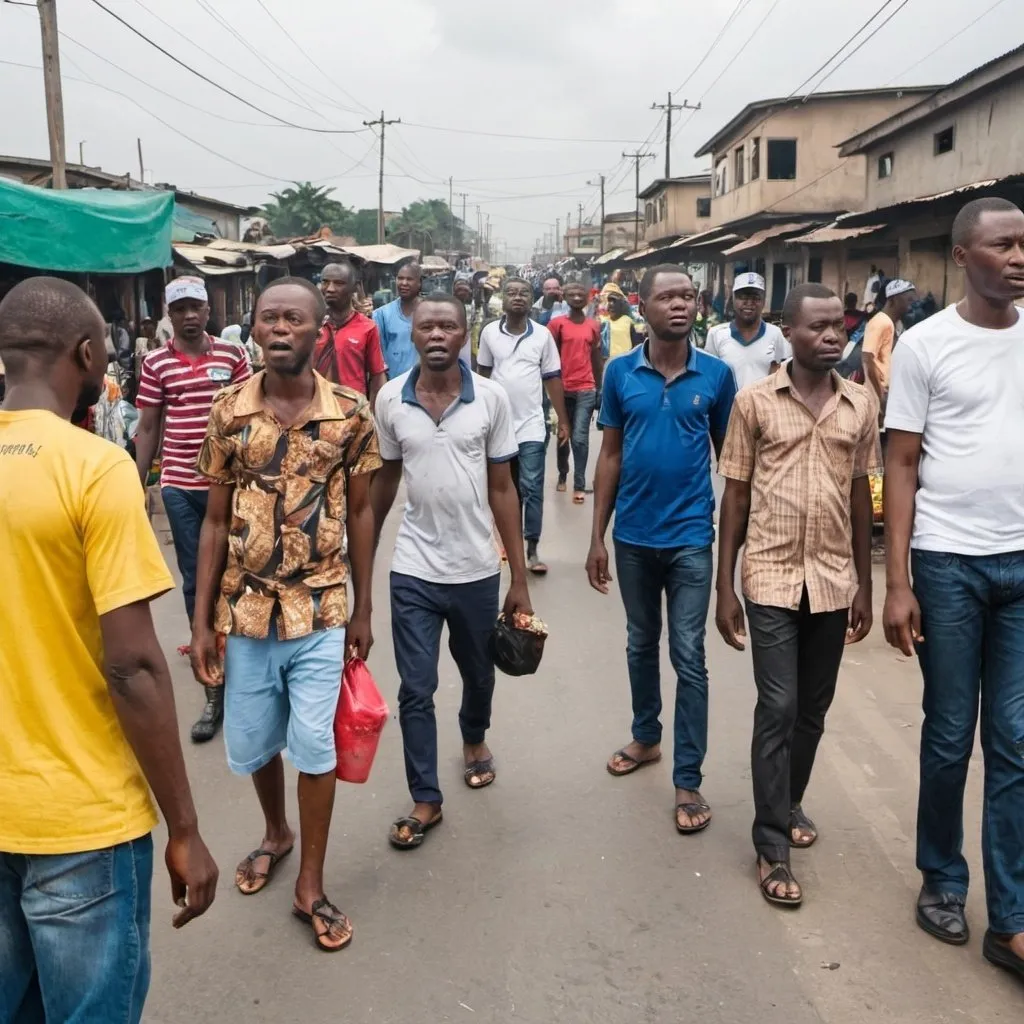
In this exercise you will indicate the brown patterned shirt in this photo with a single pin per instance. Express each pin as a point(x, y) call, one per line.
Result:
point(800, 472)
point(286, 550)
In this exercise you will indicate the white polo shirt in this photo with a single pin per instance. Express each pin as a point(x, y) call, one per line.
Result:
point(960, 387)
point(750, 361)
point(446, 534)
point(520, 364)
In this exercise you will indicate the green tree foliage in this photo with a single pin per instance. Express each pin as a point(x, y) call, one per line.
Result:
point(426, 225)
point(304, 210)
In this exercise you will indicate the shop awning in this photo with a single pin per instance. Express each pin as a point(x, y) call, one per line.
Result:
point(831, 233)
point(607, 257)
point(85, 231)
point(762, 236)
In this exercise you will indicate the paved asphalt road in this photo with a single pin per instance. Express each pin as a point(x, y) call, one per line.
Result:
point(563, 895)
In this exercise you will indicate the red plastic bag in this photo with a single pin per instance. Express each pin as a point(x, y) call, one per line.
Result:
point(358, 722)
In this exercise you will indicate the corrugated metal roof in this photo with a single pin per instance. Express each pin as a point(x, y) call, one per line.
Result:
point(710, 240)
point(275, 252)
point(831, 233)
point(758, 237)
point(607, 257)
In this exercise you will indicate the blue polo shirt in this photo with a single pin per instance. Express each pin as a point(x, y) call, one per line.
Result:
point(396, 339)
point(665, 498)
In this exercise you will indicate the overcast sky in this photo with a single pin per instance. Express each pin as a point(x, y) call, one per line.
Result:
point(567, 69)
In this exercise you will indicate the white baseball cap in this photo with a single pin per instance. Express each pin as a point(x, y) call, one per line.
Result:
point(898, 287)
point(185, 288)
point(755, 281)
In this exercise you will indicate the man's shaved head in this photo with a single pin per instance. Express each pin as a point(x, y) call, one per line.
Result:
point(969, 218)
point(41, 318)
point(344, 269)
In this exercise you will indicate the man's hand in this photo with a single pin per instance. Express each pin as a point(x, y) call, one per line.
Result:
point(564, 432)
point(358, 637)
point(901, 619)
point(193, 876)
point(597, 567)
point(861, 616)
point(207, 656)
point(517, 600)
point(729, 619)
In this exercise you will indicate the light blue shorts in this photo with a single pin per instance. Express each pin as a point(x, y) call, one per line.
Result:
point(282, 694)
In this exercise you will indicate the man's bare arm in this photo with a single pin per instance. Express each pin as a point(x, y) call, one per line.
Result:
point(147, 439)
point(383, 491)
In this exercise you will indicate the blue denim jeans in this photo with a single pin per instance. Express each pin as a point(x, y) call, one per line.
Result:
point(580, 406)
point(74, 935)
point(185, 510)
point(972, 612)
point(528, 473)
point(684, 576)
point(419, 612)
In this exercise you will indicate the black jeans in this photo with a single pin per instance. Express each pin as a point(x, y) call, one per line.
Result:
point(796, 664)
point(580, 407)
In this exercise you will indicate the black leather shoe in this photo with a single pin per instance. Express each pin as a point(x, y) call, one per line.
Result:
point(941, 914)
point(1001, 955)
point(213, 714)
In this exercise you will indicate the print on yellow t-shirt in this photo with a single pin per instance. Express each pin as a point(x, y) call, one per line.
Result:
point(75, 544)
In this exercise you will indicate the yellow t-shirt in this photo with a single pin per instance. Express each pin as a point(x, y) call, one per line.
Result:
point(75, 544)
point(879, 335)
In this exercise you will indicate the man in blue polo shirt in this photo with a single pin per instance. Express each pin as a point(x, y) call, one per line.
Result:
point(665, 404)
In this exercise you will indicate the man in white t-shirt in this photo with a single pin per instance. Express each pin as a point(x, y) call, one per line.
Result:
point(954, 504)
point(523, 358)
point(750, 347)
point(449, 434)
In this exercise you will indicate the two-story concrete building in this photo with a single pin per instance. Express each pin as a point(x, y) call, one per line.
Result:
point(676, 206)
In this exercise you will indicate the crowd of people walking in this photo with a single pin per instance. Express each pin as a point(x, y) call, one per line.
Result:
point(277, 485)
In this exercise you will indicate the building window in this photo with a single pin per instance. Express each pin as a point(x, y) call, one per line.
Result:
point(782, 159)
point(663, 208)
point(722, 177)
point(814, 269)
point(755, 159)
point(649, 214)
point(704, 206)
point(945, 141)
point(885, 162)
point(740, 168)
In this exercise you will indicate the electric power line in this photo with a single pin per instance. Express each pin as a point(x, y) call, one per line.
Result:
point(504, 135)
point(740, 6)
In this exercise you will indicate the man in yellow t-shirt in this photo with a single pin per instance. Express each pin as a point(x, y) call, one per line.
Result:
point(87, 708)
point(880, 335)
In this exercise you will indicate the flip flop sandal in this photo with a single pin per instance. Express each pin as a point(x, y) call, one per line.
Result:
point(417, 832)
point(561, 487)
point(479, 770)
point(324, 910)
point(798, 821)
point(692, 810)
point(632, 764)
point(536, 566)
point(579, 498)
point(251, 875)
point(780, 873)
point(996, 952)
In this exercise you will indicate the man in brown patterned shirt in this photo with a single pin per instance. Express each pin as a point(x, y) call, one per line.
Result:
point(289, 457)
point(797, 455)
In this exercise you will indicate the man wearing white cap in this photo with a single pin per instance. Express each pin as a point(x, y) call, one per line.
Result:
point(880, 335)
point(176, 389)
point(749, 346)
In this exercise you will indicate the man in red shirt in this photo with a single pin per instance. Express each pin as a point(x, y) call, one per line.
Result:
point(578, 338)
point(348, 350)
point(176, 389)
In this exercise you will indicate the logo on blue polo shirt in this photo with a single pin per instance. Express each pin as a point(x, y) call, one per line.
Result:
point(696, 399)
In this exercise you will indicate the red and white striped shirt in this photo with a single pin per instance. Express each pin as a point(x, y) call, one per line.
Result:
point(184, 388)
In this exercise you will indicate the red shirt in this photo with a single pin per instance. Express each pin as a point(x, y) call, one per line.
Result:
point(350, 353)
point(184, 388)
point(576, 343)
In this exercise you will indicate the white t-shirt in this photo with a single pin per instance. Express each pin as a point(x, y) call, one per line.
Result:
point(446, 534)
point(520, 364)
point(749, 361)
point(962, 388)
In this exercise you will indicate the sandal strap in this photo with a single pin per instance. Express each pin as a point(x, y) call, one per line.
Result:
point(414, 825)
point(692, 809)
point(480, 767)
point(780, 873)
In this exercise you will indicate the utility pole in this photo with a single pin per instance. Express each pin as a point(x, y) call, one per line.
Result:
point(463, 228)
point(579, 224)
point(557, 246)
point(636, 158)
point(568, 234)
point(479, 232)
point(81, 152)
point(142, 169)
point(54, 97)
point(380, 177)
point(490, 255)
point(600, 181)
point(668, 107)
point(451, 216)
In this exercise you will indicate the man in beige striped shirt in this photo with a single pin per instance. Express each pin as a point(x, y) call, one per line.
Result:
point(797, 455)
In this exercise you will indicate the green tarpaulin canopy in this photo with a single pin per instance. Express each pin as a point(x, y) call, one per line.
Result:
point(85, 231)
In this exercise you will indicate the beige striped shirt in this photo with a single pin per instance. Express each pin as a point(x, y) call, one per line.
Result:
point(800, 472)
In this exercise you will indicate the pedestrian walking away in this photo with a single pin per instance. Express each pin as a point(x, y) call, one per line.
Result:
point(289, 458)
point(665, 405)
point(176, 391)
point(880, 334)
point(522, 357)
point(748, 345)
point(797, 455)
point(578, 338)
point(89, 725)
point(954, 509)
point(348, 349)
point(394, 321)
point(449, 433)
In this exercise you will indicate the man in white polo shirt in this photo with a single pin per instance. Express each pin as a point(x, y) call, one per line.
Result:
point(954, 503)
point(750, 347)
point(449, 434)
point(523, 358)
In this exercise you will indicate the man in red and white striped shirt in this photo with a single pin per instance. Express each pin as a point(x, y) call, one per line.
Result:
point(176, 390)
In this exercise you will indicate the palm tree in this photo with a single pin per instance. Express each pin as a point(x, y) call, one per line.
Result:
point(305, 209)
